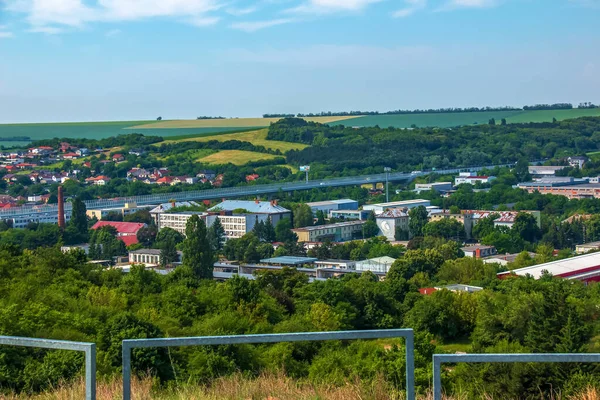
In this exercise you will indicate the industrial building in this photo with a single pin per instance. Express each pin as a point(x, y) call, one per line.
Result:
point(572, 188)
point(440, 187)
point(391, 220)
point(584, 268)
point(472, 179)
point(332, 205)
point(408, 204)
point(360, 215)
point(339, 232)
point(479, 251)
point(50, 217)
point(377, 265)
point(270, 208)
point(128, 208)
point(587, 247)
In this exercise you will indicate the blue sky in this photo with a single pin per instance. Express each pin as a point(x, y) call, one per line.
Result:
point(78, 60)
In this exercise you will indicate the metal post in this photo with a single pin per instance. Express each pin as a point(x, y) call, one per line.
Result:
point(88, 348)
point(410, 365)
point(387, 194)
point(126, 354)
point(437, 378)
point(407, 334)
point(90, 372)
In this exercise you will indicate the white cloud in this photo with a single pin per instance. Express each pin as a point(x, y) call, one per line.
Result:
point(254, 26)
point(204, 21)
point(48, 30)
point(238, 12)
point(412, 6)
point(454, 4)
point(51, 15)
point(6, 35)
point(112, 33)
point(331, 6)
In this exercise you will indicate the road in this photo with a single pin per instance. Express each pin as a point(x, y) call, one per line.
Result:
point(241, 191)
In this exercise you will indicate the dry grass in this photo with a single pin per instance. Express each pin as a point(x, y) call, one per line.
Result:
point(227, 123)
point(257, 138)
point(236, 157)
point(265, 387)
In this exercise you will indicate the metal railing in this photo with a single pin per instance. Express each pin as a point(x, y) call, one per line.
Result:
point(407, 334)
point(438, 359)
point(88, 348)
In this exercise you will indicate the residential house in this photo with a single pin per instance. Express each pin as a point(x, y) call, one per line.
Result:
point(100, 180)
point(577, 161)
point(472, 179)
point(252, 177)
point(118, 157)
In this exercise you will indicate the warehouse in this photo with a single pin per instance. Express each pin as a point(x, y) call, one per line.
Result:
point(584, 268)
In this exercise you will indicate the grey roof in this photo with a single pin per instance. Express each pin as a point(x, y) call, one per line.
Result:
point(289, 260)
point(260, 207)
point(330, 202)
point(462, 288)
point(167, 206)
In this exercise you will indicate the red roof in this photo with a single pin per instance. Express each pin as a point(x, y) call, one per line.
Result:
point(117, 156)
point(477, 177)
point(128, 240)
point(122, 227)
point(70, 155)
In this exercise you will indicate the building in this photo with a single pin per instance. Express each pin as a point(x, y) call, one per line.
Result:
point(543, 171)
point(331, 205)
point(128, 208)
point(392, 220)
point(126, 231)
point(336, 264)
point(505, 218)
point(379, 264)
point(584, 268)
point(479, 251)
point(587, 247)
point(577, 161)
point(85, 247)
point(166, 207)
point(21, 221)
point(458, 288)
point(441, 187)
point(360, 215)
point(339, 232)
point(177, 221)
point(236, 225)
point(569, 187)
point(505, 259)
point(98, 180)
point(269, 208)
point(289, 261)
point(472, 179)
point(408, 204)
point(149, 257)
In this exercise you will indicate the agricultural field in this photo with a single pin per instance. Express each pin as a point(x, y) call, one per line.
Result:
point(235, 157)
point(446, 120)
point(227, 123)
point(257, 138)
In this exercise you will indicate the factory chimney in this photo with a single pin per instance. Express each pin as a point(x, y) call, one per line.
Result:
point(61, 208)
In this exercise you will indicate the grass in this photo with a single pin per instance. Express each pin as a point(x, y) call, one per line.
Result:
point(227, 123)
point(445, 120)
point(88, 123)
point(462, 346)
point(267, 387)
point(235, 157)
point(256, 137)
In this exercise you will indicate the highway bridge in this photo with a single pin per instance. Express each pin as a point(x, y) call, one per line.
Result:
point(239, 191)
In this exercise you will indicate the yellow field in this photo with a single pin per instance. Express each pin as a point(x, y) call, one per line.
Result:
point(227, 123)
point(258, 138)
point(236, 157)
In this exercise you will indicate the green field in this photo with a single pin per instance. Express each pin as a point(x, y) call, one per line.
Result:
point(236, 157)
point(446, 120)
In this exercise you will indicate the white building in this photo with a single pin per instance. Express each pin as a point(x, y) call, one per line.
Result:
point(51, 217)
point(176, 221)
point(408, 204)
point(149, 257)
point(379, 264)
point(479, 251)
point(471, 178)
point(128, 208)
point(391, 220)
point(270, 208)
point(237, 225)
point(336, 264)
point(162, 208)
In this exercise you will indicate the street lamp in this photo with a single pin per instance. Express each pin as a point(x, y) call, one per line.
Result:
point(387, 194)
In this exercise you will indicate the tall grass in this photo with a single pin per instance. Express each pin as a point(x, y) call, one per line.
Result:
point(265, 387)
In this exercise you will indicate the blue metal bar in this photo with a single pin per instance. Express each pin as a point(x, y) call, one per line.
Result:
point(88, 348)
point(130, 344)
point(439, 359)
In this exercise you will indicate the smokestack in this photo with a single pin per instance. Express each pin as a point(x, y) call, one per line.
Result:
point(478, 253)
point(61, 208)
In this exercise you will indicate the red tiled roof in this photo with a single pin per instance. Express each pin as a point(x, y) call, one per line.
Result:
point(476, 177)
point(128, 240)
point(121, 227)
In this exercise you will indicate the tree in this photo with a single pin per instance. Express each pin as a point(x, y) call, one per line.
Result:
point(503, 121)
point(269, 231)
point(168, 253)
point(418, 219)
point(79, 218)
point(320, 218)
point(303, 216)
point(159, 119)
point(165, 233)
point(283, 231)
point(526, 227)
point(492, 121)
point(197, 252)
point(522, 170)
point(370, 228)
point(147, 235)
point(401, 234)
point(447, 228)
point(216, 235)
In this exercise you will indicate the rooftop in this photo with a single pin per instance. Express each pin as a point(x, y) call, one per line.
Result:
point(289, 260)
point(330, 202)
point(396, 204)
point(259, 207)
point(575, 267)
point(393, 213)
point(329, 226)
point(167, 206)
point(121, 227)
point(506, 257)
point(475, 247)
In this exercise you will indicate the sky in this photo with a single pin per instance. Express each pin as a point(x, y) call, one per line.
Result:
point(100, 60)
